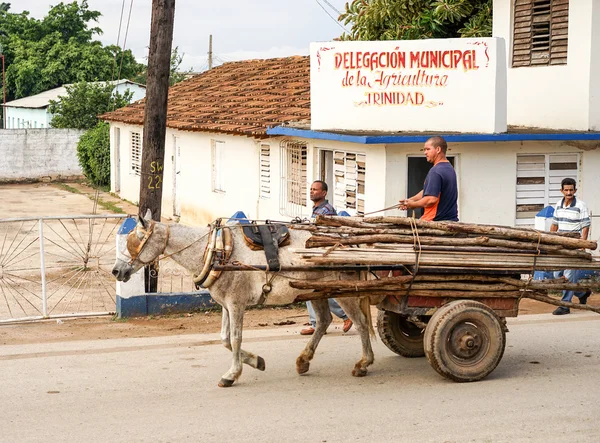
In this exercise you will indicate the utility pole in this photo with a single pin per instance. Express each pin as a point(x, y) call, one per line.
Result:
point(155, 117)
point(210, 52)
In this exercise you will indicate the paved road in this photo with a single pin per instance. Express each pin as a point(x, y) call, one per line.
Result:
point(547, 388)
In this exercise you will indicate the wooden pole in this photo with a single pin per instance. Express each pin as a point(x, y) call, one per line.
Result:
point(155, 116)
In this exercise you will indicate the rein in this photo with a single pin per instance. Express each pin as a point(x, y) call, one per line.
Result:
point(136, 253)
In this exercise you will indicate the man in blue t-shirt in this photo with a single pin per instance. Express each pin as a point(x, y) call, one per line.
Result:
point(439, 196)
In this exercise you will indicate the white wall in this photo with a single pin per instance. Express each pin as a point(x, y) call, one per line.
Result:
point(29, 118)
point(35, 154)
point(557, 97)
point(200, 204)
point(409, 85)
point(487, 177)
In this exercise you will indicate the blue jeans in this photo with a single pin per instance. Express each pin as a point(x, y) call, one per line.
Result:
point(573, 275)
point(333, 307)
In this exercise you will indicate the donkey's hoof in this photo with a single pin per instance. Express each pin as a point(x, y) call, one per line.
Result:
point(302, 366)
point(359, 372)
point(260, 364)
point(224, 383)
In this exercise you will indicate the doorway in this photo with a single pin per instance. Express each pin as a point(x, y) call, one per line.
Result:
point(176, 177)
point(418, 167)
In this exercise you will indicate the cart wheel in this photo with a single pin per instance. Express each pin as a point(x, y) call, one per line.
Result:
point(464, 340)
point(400, 335)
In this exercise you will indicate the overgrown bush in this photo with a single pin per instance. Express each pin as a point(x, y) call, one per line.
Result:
point(93, 151)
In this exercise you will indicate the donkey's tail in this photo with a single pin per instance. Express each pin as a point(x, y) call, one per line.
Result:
point(365, 307)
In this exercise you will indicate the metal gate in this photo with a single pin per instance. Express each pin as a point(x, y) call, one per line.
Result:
point(53, 267)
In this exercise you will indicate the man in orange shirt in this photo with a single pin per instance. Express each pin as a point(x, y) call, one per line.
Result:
point(439, 196)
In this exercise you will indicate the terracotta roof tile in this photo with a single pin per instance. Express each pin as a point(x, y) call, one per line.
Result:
point(237, 98)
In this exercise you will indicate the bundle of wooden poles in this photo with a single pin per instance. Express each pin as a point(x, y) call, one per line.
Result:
point(443, 259)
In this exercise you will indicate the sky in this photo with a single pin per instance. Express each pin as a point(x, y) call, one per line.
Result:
point(241, 29)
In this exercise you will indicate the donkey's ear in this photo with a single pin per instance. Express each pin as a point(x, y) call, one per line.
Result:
point(142, 223)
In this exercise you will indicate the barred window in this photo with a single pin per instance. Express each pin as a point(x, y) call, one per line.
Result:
point(136, 153)
point(293, 192)
point(540, 33)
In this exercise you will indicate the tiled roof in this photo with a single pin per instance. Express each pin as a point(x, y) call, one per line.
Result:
point(236, 98)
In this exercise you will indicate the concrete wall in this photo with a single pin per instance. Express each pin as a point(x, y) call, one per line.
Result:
point(199, 204)
point(25, 118)
point(36, 154)
point(410, 85)
point(558, 97)
point(487, 177)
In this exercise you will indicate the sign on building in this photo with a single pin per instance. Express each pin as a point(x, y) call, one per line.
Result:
point(449, 85)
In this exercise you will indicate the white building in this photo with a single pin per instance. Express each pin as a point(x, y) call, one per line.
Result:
point(32, 112)
point(240, 137)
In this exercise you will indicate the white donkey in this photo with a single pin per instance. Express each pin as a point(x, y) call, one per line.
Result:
point(235, 290)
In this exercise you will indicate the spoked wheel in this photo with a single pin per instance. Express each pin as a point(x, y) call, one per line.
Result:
point(464, 340)
point(400, 335)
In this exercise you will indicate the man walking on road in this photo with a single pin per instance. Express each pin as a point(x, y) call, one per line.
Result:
point(439, 196)
point(571, 215)
point(318, 192)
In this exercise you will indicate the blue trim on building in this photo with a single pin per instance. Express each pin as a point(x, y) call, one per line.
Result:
point(163, 303)
point(468, 138)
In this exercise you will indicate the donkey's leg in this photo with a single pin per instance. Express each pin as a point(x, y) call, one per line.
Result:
point(236, 321)
point(323, 317)
point(248, 358)
point(352, 308)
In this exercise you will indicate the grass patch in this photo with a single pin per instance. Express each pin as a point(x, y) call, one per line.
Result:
point(108, 206)
point(68, 188)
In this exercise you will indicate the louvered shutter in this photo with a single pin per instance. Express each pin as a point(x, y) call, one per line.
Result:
point(538, 182)
point(540, 33)
point(136, 153)
point(349, 174)
point(265, 171)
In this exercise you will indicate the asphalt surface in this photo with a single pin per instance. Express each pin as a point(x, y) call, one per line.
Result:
point(546, 389)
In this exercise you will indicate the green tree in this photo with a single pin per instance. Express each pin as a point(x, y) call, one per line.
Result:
point(416, 19)
point(59, 49)
point(175, 75)
point(84, 102)
point(93, 151)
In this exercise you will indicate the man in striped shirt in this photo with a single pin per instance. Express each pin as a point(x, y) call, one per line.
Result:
point(570, 215)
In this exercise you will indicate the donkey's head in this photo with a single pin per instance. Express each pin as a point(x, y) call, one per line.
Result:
point(144, 245)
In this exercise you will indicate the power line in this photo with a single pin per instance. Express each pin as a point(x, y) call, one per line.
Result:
point(331, 16)
point(332, 7)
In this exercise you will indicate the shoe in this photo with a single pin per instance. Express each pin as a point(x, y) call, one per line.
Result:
point(347, 325)
point(308, 331)
point(561, 310)
point(584, 298)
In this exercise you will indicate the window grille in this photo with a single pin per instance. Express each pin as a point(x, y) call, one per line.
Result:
point(538, 182)
point(136, 153)
point(294, 178)
point(265, 171)
point(540, 33)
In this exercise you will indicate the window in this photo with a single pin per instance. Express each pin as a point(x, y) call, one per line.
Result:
point(540, 34)
point(349, 182)
point(538, 182)
point(293, 192)
point(136, 153)
point(218, 166)
point(265, 171)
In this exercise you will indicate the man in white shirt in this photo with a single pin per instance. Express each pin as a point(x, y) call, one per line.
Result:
point(570, 215)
